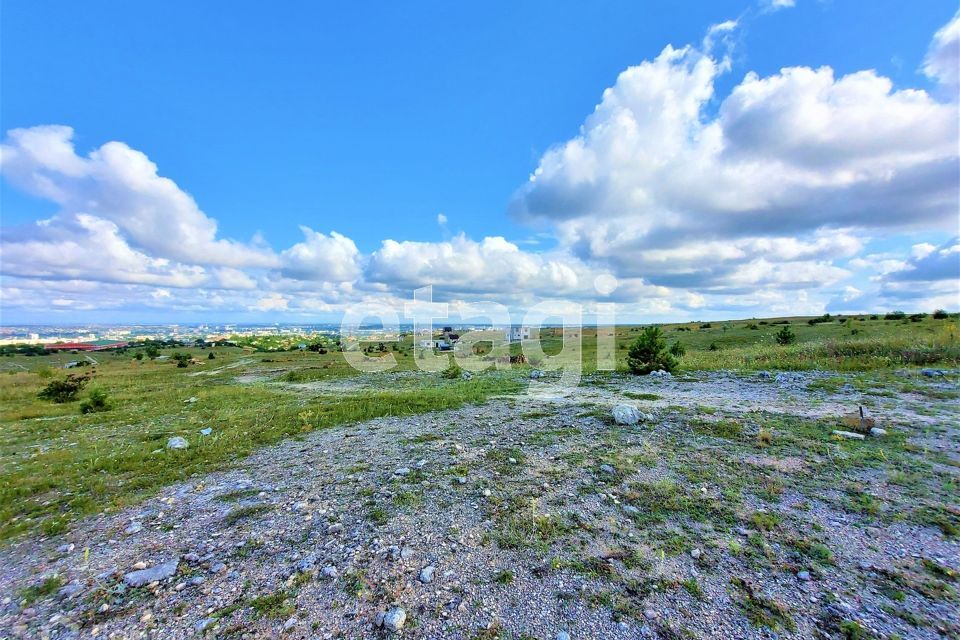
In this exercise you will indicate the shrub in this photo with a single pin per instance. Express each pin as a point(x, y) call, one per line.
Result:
point(895, 315)
point(786, 336)
point(677, 349)
point(452, 372)
point(152, 351)
point(713, 347)
point(97, 401)
point(139, 356)
point(940, 314)
point(706, 325)
point(649, 353)
point(182, 360)
point(65, 390)
point(211, 356)
point(917, 317)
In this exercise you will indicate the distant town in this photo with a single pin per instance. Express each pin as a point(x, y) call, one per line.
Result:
point(277, 337)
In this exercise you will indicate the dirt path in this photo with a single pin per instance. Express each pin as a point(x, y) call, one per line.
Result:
point(538, 517)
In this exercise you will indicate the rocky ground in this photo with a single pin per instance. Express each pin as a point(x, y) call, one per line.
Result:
point(728, 510)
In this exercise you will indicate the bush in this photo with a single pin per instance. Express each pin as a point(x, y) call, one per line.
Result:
point(452, 372)
point(706, 325)
point(940, 314)
point(182, 360)
point(677, 349)
point(649, 353)
point(786, 336)
point(713, 347)
point(895, 315)
point(97, 401)
point(139, 356)
point(152, 351)
point(65, 390)
point(211, 356)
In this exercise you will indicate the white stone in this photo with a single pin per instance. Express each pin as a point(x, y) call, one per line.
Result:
point(177, 442)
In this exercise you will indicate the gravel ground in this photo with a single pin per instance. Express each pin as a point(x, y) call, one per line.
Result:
point(525, 518)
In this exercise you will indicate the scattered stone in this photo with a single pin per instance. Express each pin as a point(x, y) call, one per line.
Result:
point(329, 571)
point(933, 373)
point(660, 373)
point(402, 471)
point(804, 576)
point(290, 623)
point(461, 480)
point(336, 527)
point(190, 400)
point(466, 375)
point(877, 432)
point(849, 435)
point(203, 625)
point(70, 589)
point(133, 527)
point(426, 575)
point(627, 415)
point(206, 431)
point(536, 374)
point(393, 619)
point(143, 577)
point(696, 554)
point(177, 442)
point(605, 468)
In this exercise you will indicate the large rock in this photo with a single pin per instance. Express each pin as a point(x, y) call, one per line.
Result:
point(849, 435)
point(143, 577)
point(627, 414)
point(393, 619)
point(177, 442)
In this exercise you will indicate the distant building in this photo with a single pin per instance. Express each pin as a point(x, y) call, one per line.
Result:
point(98, 345)
point(517, 332)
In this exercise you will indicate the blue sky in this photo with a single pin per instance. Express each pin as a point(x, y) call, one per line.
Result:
point(371, 120)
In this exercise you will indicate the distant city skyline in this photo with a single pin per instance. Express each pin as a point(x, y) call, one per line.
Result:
point(761, 158)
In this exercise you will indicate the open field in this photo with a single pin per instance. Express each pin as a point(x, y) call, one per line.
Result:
point(729, 508)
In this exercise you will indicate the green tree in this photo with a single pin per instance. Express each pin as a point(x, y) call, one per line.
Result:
point(677, 349)
point(65, 390)
point(786, 336)
point(649, 353)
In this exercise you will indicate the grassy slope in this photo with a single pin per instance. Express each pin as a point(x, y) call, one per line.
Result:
point(56, 464)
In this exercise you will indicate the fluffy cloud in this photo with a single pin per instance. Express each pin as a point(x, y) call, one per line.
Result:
point(321, 257)
point(490, 267)
point(943, 58)
point(90, 248)
point(659, 185)
point(932, 265)
point(121, 185)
